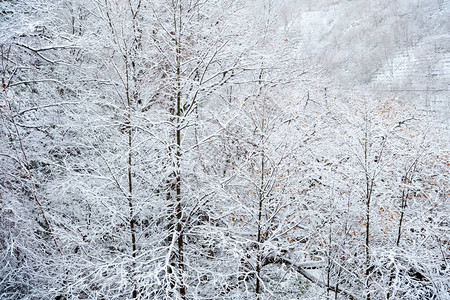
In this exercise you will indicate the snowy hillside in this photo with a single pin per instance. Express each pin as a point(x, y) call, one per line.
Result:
point(398, 47)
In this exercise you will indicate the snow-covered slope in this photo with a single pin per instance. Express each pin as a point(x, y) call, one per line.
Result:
point(399, 47)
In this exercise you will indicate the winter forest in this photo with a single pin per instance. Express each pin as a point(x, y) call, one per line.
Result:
point(224, 149)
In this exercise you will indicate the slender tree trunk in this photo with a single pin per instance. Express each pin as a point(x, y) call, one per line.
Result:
point(368, 196)
point(259, 235)
point(131, 207)
point(130, 178)
point(399, 234)
point(367, 245)
point(179, 211)
point(261, 198)
point(179, 122)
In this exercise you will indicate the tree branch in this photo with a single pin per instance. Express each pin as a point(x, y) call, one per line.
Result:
point(301, 270)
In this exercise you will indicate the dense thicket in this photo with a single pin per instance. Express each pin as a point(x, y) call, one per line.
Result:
point(166, 149)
